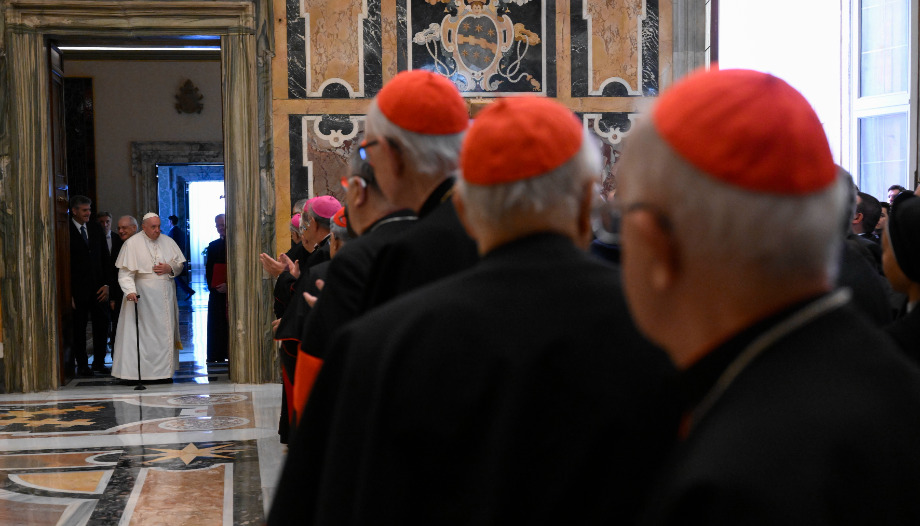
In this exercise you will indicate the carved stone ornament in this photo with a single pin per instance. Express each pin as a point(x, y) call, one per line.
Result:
point(188, 100)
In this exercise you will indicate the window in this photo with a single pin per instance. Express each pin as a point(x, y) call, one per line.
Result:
point(883, 122)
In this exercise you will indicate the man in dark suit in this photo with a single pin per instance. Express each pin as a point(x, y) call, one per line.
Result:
point(515, 392)
point(90, 277)
point(796, 409)
point(127, 227)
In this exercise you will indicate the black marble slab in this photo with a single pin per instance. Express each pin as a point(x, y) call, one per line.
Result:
point(297, 51)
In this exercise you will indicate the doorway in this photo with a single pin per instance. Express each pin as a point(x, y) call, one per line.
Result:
point(27, 230)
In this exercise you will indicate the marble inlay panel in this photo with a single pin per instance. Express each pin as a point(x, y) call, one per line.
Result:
point(487, 49)
point(184, 483)
point(611, 129)
point(181, 497)
point(334, 48)
point(127, 415)
point(615, 46)
point(320, 148)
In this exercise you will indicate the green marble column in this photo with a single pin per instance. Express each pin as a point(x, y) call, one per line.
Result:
point(28, 278)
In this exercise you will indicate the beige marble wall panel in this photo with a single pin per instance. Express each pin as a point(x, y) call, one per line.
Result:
point(282, 183)
point(614, 34)
point(666, 44)
point(334, 43)
point(388, 38)
point(279, 66)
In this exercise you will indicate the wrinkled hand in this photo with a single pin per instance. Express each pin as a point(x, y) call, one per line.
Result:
point(162, 268)
point(222, 288)
point(132, 297)
point(271, 265)
point(311, 299)
point(102, 294)
point(275, 325)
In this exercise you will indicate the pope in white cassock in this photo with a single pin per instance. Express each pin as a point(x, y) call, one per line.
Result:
point(147, 264)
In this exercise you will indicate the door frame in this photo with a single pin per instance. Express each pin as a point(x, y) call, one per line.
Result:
point(27, 279)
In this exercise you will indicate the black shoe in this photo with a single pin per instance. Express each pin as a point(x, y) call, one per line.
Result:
point(102, 370)
point(84, 372)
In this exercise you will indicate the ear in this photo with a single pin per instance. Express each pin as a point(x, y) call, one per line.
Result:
point(857, 219)
point(460, 207)
point(361, 191)
point(660, 251)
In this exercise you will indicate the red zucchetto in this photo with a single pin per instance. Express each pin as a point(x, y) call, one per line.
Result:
point(423, 102)
point(518, 138)
point(747, 129)
point(339, 218)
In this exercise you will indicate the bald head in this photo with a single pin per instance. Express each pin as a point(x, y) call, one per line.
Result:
point(127, 227)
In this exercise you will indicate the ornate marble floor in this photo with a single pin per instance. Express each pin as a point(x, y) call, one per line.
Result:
point(198, 452)
point(173, 454)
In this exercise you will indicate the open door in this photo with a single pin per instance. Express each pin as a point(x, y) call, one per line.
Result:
point(61, 212)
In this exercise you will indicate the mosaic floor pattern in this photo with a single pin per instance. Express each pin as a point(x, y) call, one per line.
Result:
point(179, 454)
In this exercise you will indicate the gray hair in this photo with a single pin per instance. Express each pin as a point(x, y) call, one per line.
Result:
point(133, 221)
point(558, 192)
point(775, 235)
point(340, 232)
point(433, 155)
point(79, 200)
point(299, 204)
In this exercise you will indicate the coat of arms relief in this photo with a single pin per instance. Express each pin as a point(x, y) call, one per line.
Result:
point(479, 45)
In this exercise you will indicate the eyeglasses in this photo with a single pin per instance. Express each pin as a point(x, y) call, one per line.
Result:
point(362, 150)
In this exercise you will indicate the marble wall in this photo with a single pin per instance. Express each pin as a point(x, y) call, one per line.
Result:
point(602, 58)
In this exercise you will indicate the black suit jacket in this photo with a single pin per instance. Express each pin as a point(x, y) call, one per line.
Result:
point(89, 262)
point(115, 292)
point(435, 247)
point(516, 392)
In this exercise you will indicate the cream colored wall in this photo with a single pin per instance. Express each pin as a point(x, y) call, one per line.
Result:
point(135, 101)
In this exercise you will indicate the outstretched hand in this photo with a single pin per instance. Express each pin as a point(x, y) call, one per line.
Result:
point(272, 265)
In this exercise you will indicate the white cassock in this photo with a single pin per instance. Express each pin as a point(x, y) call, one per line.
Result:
point(157, 309)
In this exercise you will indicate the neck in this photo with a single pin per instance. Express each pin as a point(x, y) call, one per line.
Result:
point(697, 327)
point(417, 189)
point(365, 216)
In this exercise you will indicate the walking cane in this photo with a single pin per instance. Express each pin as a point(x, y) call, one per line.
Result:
point(137, 334)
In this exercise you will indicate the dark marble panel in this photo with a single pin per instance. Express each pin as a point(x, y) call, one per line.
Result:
point(580, 38)
point(486, 49)
point(402, 35)
point(297, 51)
point(300, 179)
point(649, 49)
point(373, 50)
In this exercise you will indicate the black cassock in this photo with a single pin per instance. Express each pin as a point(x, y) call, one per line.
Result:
point(218, 326)
point(516, 392)
point(819, 428)
point(437, 246)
